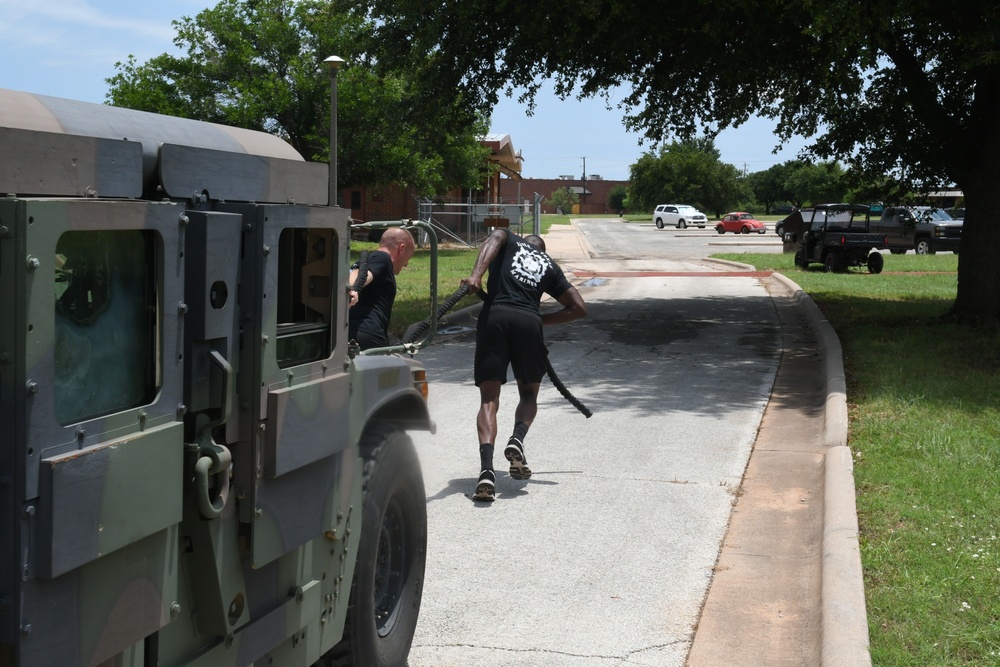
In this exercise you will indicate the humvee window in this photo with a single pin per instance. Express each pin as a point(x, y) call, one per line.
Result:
point(306, 278)
point(106, 314)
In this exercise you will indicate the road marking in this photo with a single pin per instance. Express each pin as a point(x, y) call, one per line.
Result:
point(672, 274)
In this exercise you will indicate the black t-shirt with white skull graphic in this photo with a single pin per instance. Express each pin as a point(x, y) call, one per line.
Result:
point(521, 273)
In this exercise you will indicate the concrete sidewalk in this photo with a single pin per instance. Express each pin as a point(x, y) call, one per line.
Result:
point(788, 587)
point(566, 243)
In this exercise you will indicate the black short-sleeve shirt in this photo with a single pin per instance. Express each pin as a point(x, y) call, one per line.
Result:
point(374, 307)
point(521, 273)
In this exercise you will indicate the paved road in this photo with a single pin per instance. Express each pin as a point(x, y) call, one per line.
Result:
point(635, 240)
point(605, 555)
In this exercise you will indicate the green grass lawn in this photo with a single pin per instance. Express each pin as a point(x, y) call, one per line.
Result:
point(924, 427)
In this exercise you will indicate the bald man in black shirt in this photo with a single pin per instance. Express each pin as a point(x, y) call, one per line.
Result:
point(371, 308)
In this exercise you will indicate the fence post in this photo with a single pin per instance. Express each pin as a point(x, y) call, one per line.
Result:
point(537, 215)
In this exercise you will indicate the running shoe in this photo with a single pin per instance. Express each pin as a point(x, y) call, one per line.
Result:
point(486, 488)
point(514, 452)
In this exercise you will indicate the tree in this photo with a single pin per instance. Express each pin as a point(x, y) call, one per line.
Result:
point(864, 189)
point(685, 172)
point(258, 64)
point(799, 182)
point(769, 186)
point(821, 183)
point(563, 200)
point(726, 190)
point(895, 88)
point(616, 197)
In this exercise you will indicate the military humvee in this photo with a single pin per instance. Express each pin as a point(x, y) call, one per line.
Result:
point(193, 468)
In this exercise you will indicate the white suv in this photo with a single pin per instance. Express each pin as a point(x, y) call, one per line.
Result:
point(679, 215)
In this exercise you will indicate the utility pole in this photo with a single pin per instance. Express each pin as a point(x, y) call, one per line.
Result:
point(583, 195)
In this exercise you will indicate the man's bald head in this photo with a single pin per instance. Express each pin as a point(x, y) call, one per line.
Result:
point(398, 244)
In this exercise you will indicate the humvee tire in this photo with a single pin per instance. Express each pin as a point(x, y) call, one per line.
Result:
point(389, 575)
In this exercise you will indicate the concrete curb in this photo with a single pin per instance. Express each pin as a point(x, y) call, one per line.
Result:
point(844, 619)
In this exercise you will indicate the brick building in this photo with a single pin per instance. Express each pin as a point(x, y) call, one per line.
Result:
point(395, 203)
point(593, 193)
point(505, 186)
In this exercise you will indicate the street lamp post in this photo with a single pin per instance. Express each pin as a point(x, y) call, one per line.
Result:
point(334, 63)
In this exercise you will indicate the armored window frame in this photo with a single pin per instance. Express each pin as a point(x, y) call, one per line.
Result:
point(107, 322)
point(307, 276)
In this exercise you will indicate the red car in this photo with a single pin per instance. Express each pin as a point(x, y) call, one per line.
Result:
point(740, 223)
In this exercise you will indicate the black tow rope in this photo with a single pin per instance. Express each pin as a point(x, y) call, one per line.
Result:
point(421, 328)
point(557, 383)
point(362, 278)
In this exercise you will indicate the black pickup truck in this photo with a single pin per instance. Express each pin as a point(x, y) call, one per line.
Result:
point(837, 236)
point(924, 229)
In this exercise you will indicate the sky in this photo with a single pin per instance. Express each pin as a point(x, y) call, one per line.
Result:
point(67, 48)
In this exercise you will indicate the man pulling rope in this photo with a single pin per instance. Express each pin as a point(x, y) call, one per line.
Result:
point(509, 333)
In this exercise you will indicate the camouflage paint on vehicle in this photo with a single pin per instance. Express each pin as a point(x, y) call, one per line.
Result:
point(180, 473)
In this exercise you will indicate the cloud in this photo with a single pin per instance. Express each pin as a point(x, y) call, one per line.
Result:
point(29, 22)
point(67, 48)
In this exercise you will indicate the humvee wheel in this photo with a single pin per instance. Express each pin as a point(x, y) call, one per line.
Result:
point(389, 574)
point(800, 258)
point(875, 262)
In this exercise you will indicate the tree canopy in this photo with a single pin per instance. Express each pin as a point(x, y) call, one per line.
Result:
point(899, 89)
point(770, 186)
point(258, 64)
point(685, 172)
point(818, 183)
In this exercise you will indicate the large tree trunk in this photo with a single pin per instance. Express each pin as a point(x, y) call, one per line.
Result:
point(978, 301)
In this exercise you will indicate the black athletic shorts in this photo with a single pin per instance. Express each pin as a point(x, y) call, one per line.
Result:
point(506, 336)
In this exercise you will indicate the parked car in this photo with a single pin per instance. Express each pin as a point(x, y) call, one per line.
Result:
point(790, 228)
point(679, 215)
point(740, 222)
point(779, 227)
